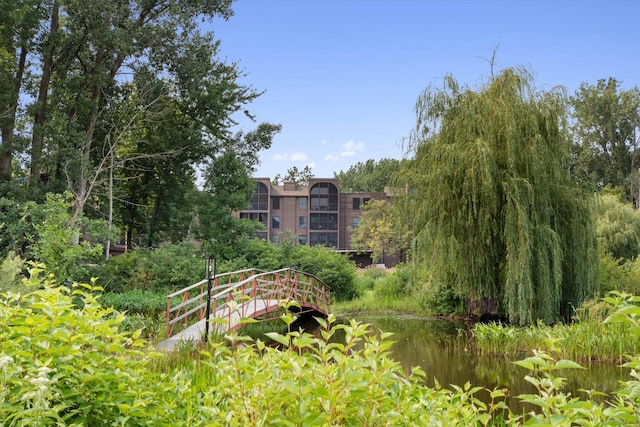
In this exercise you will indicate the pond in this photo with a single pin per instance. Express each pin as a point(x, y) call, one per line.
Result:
point(444, 350)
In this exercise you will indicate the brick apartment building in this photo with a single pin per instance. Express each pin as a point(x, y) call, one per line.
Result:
point(319, 214)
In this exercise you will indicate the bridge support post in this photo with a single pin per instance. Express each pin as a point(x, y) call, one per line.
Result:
point(211, 274)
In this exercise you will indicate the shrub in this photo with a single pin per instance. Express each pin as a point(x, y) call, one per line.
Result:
point(167, 268)
point(58, 245)
point(10, 269)
point(64, 365)
point(619, 275)
point(333, 268)
point(139, 301)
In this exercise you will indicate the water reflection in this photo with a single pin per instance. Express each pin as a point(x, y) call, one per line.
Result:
point(444, 350)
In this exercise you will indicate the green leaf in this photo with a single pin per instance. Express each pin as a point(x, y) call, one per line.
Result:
point(567, 364)
point(279, 338)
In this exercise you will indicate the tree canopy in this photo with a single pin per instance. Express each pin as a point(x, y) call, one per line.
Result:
point(490, 202)
point(606, 128)
point(368, 176)
point(380, 231)
point(618, 227)
point(294, 174)
point(128, 107)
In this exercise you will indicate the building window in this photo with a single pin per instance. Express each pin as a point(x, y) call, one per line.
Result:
point(275, 203)
point(323, 221)
point(356, 203)
point(326, 239)
point(302, 239)
point(365, 200)
point(355, 221)
point(260, 199)
point(324, 197)
point(275, 222)
point(302, 203)
point(302, 222)
point(261, 217)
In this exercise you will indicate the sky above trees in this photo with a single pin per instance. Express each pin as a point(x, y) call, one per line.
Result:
point(342, 77)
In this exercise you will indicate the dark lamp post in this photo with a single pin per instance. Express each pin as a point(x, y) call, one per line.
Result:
point(210, 276)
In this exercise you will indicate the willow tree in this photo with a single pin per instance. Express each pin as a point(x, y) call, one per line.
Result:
point(493, 210)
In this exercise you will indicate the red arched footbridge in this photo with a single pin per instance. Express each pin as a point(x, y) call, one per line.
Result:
point(239, 295)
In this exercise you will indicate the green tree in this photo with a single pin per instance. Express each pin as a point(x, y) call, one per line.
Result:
point(19, 28)
point(294, 174)
point(53, 243)
point(379, 231)
point(368, 176)
point(228, 188)
point(490, 202)
point(606, 130)
point(618, 227)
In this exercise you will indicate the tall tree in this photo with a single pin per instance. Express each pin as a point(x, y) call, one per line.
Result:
point(227, 188)
point(380, 230)
point(369, 175)
point(19, 26)
point(490, 202)
point(607, 121)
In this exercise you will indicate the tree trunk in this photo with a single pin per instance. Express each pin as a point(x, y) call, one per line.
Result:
point(6, 149)
point(43, 92)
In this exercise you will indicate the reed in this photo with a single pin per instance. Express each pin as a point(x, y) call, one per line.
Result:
point(587, 339)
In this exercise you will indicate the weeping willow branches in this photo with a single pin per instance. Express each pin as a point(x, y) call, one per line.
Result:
point(492, 207)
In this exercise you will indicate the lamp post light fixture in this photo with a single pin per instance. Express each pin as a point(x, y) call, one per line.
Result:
point(211, 274)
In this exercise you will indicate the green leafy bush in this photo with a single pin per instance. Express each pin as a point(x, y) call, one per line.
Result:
point(10, 269)
point(167, 268)
point(365, 280)
point(333, 268)
point(150, 303)
point(64, 365)
point(619, 275)
point(56, 243)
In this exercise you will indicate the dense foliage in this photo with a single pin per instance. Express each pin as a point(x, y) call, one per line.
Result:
point(67, 364)
point(490, 202)
point(124, 106)
point(381, 231)
point(333, 268)
point(175, 266)
point(605, 149)
point(618, 227)
point(368, 176)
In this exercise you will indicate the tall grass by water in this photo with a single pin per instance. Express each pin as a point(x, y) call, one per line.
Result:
point(586, 339)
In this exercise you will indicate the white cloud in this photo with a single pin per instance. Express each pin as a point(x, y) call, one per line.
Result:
point(331, 158)
point(295, 156)
point(298, 157)
point(350, 148)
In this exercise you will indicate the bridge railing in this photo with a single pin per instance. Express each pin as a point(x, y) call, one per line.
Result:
point(265, 292)
point(188, 305)
point(246, 293)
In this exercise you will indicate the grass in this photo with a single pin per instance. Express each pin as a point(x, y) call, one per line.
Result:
point(380, 290)
point(588, 339)
point(371, 301)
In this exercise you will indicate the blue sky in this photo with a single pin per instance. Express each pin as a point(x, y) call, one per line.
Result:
point(342, 76)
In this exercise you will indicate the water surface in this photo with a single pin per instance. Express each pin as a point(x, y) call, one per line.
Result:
point(444, 350)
